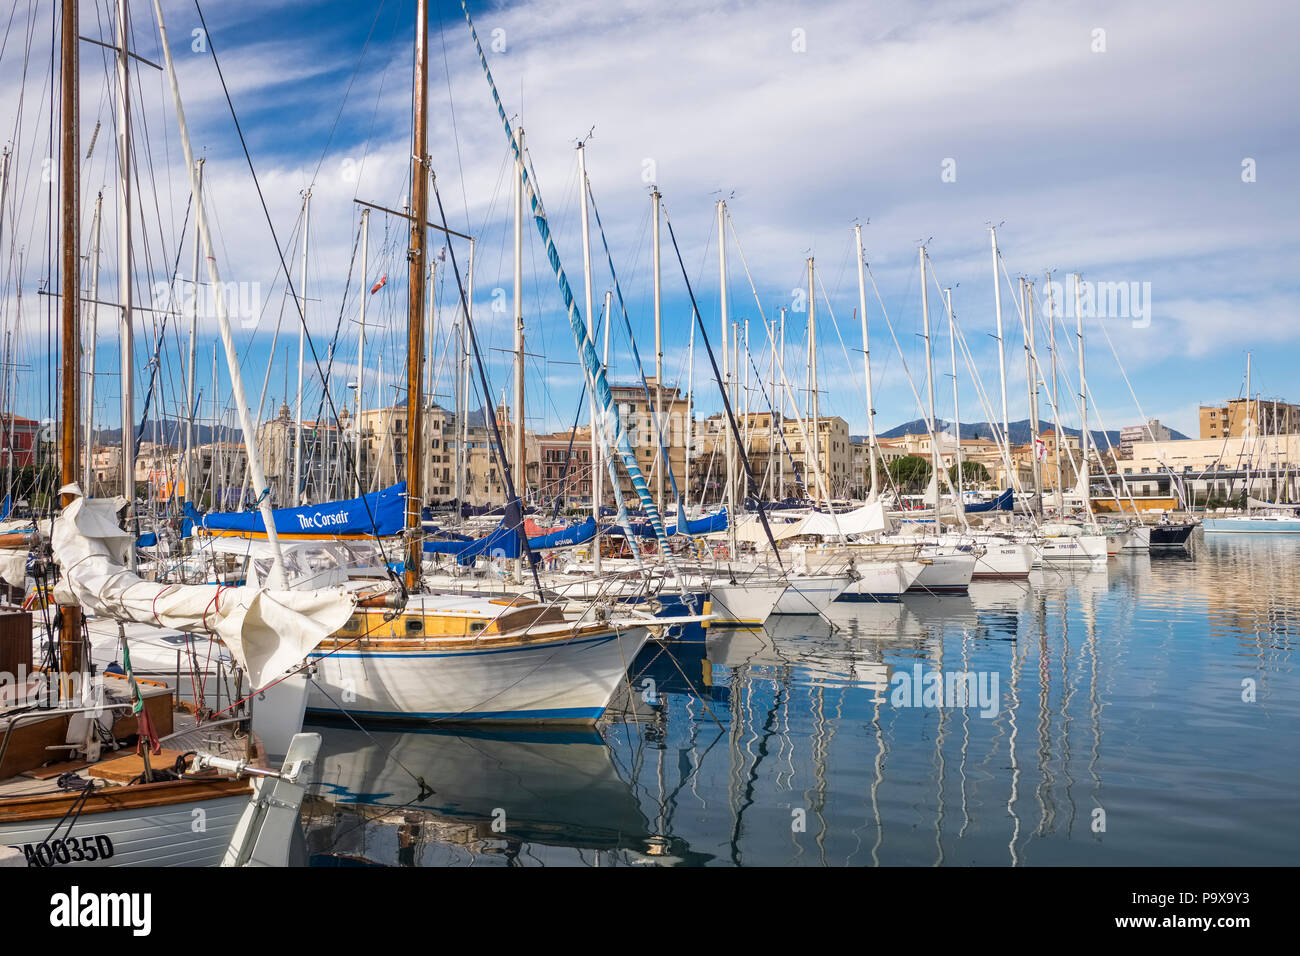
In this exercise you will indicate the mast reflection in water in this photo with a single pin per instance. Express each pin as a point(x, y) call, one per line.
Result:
point(1124, 733)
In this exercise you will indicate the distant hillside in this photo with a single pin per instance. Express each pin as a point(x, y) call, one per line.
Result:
point(1020, 431)
point(172, 432)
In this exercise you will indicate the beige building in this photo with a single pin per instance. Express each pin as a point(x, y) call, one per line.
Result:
point(638, 417)
point(1242, 417)
point(386, 442)
point(1216, 466)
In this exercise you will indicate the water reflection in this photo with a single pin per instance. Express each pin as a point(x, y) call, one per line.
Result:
point(1125, 731)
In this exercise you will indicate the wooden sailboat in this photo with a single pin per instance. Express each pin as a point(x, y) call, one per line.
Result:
point(423, 656)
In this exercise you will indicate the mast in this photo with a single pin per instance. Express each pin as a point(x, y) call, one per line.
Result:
point(124, 268)
point(72, 651)
point(1083, 402)
point(463, 419)
point(218, 500)
point(929, 384)
point(1246, 429)
point(690, 419)
point(415, 295)
point(816, 449)
point(735, 395)
point(591, 332)
point(521, 468)
point(730, 496)
point(1031, 382)
point(1056, 408)
point(780, 458)
point(866, 367)
point(91, 342)
point(659, 349)
point(1002, 358)
point(193, 345)
point(956, 406)
point(361, 349)
point(299, 489)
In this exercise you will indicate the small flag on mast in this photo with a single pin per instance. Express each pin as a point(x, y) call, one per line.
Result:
point(383, 280)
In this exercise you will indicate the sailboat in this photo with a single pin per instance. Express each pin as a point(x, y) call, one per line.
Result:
point(71, 794)
point(410, 654)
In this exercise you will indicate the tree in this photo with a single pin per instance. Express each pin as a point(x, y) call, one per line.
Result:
point(972, 472)
point(910, 473)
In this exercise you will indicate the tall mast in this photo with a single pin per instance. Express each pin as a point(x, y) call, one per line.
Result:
point(1031, 382)
point(929, 384)
point(1002, 357)
point(463, 419)
point(690, 419)
point(192, 358)
point(517, 453)
point(1246, 431)
point(1083, 402)
point(91, 342)
point(361, 349)
point(813, 409)
point(299, 490)
point(866, 366)
point(72, 652)
point(770, 478)
point(956, 406)
point(1056, 408)
point(659, 351)
point(218, 500)
point(124, 267)
point(726, 374)
point(780, 463)
point(415, 295)
point(591, 333)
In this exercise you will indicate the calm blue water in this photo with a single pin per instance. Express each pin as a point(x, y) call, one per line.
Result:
point(1119, 735)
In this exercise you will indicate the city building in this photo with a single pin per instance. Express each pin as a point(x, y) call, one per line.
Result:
point(1151, 431)
point(1241, 417)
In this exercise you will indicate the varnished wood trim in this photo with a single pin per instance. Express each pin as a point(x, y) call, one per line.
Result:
point(142, 796)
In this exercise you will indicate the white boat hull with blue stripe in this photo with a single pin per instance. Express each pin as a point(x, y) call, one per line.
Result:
point(450, 658)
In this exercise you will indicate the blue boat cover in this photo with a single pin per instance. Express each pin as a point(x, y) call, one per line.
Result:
point(503, 542)
point(1002, 502)
point(565, 537)
point(709, 524)
point(387, 508)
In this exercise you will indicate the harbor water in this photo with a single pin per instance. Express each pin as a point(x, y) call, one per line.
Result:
point(1144, 712)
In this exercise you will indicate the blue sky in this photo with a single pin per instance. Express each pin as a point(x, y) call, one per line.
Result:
point(1116, 154)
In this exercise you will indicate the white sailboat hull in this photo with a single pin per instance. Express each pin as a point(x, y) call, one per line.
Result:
point(1003, 559)
point(882, 580)
point(945, 572)
point(813, 593)
point(568, 679)
point(1083, 549)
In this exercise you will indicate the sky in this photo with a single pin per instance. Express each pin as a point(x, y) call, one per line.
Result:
point(1152, 145)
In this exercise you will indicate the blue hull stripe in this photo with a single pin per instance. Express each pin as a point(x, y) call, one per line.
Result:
point(560, 713)
point(420, 655)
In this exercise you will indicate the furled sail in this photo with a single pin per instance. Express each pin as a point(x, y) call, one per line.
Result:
point(378, 513)
point(267, 632)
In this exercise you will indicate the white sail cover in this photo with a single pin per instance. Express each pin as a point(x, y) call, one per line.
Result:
point(267, 632)
point(13, 561)
point(869, 519)
point(1257, 503)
